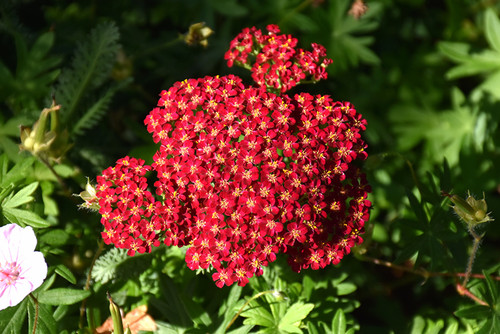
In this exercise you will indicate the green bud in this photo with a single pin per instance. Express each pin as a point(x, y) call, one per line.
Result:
point(90, 198)
point(116, 316)
point(472, 211)
point(198, 34)
point(44, 139)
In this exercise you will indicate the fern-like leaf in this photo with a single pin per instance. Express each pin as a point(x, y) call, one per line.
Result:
point(117, 265)
point(105, 267)
point(91, 66)
point(98, 108)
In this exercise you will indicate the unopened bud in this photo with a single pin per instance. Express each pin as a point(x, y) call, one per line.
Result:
point(471, 211)
point(90, 198)
point(45, 139)
point(116, 316)
point(198, 34)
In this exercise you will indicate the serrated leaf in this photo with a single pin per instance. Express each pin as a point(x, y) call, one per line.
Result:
point(97, 110)
point(62, 296)
point(23, 196)
point(492, 29)
point(24, 217)
point(339, 322)
point(94, 59)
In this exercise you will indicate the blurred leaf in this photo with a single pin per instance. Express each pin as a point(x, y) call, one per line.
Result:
point(21, 197)
point(473, 312)
point(492, 31)
point(445, 134)
point(33, 75)
point(345, 45)
point(62, 296)
point(97, 110)
point(230, 8)
point(339, 322)
point(91, 67)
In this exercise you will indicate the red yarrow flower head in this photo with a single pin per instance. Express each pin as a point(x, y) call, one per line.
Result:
point(275, 61)
point(243, 174)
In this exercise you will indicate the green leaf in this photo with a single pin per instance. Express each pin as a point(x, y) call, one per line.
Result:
point(346, 288)
point(473, 312)
point(94, 59)
point(417, 208)
point(50, 207)
point(23, 196)
point(45, 322)
point(62, 296)
point(65, 273)
point(492, 289)
point(294, 316)
point(229, 8)
point(97, 110)
point(17, 173)
point(488, 61)
point(458, 52)
point(24, 217)
point(339, 322)
point(54, 237)
point(12, 318)
point(492, 29)
point(258, 316)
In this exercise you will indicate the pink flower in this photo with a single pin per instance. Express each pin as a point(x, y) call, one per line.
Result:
point(22, 270)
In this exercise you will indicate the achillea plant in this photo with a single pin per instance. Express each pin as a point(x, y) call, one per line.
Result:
point(244, 173)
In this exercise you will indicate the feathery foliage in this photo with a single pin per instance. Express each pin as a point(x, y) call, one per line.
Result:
point(92, 64)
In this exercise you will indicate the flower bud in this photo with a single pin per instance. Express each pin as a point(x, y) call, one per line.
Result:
point(198, 34)
point(116, 316)
point(471, 210)
point(44, 140)
point(90, 198)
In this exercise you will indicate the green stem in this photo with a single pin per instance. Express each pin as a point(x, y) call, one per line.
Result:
point(475, 247)
point(87, 283)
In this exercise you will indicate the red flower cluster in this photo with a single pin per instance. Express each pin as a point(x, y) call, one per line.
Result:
point(242, 174)
point(277, 63)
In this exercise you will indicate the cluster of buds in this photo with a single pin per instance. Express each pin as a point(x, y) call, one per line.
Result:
point(241, 175)
point(274, 60)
